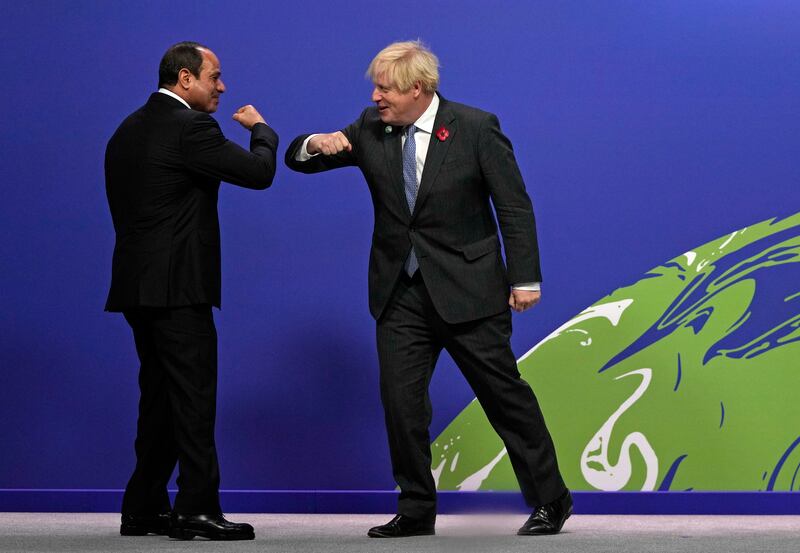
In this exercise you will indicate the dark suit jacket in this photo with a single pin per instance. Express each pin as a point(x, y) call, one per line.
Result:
point(163, 168)
point(453, 229)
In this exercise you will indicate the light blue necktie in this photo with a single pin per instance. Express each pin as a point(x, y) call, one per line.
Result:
point(410, 180)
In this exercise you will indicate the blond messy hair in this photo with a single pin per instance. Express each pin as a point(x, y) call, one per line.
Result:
point(404, 63)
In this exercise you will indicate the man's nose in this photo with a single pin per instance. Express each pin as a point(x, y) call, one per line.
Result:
point(376, 95)
point(220, 86)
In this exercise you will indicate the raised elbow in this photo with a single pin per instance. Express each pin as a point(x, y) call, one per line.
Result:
point(262, 179)
point(265, 181)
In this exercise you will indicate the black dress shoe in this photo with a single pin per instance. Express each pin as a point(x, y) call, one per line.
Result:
point(548, 519)
point(402, 526)
point(213, 527)
point(141, 525)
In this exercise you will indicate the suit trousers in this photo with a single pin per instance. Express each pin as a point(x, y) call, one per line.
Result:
point(177, 349)
point(410, 337)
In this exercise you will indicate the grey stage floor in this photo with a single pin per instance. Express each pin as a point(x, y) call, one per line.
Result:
point(460, 533)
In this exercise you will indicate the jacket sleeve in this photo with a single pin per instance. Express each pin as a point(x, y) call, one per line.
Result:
point(511, 203)
point(207, 152)
point(320, 162)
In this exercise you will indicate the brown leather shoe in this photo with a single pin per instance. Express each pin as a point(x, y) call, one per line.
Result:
point(548, 519)
point(402, 526)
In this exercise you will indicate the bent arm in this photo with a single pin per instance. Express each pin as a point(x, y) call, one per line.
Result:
point(511, 202)
point(208, 152)
point(298, 159)
point(315, 163)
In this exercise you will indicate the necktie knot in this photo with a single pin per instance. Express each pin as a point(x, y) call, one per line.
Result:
point(410, 130)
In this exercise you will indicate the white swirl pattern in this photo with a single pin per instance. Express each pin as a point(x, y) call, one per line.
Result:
point(610, 477)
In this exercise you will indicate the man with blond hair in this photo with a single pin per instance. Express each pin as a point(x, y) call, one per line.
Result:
point(437, 278)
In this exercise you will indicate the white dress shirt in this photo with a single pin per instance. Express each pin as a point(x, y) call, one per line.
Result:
point(170, 93)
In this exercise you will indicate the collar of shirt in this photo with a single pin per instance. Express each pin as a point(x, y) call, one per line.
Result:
point(181, 100)
point(425, 121)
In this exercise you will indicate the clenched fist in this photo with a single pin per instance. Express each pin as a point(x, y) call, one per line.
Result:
point(248, 116)
point(520, 300)
point(328, 144)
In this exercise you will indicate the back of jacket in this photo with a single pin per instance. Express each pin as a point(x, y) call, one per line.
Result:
point(163, 169)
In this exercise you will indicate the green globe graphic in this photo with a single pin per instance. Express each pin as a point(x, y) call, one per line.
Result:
point(685, 380)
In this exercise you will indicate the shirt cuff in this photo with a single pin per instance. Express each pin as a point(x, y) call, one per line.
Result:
point(302, 154)
point(529, 286)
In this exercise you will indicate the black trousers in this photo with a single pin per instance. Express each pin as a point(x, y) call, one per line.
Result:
point(177, 348)
point(410, 336)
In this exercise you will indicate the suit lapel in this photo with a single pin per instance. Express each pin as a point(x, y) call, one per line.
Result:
point(437, 151)
point(393, 153)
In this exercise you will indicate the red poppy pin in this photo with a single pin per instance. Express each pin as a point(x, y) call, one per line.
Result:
point(442, 134)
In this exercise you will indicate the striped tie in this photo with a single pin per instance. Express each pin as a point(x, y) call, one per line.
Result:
point(410, 180)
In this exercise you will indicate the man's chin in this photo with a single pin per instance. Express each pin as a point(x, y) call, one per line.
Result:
point(387, 119)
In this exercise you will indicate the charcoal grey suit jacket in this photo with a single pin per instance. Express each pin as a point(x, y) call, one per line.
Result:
point(470, 165)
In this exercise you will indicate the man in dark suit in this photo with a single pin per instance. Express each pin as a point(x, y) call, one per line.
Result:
point(163, 166)
point(436, 276)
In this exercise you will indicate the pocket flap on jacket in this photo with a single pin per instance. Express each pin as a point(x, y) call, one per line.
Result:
point(481, 247)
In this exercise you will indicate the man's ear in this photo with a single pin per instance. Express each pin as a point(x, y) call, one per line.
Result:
point(417, 89)
point(185, 78)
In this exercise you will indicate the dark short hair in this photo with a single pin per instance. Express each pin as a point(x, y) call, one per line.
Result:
point(184, 55)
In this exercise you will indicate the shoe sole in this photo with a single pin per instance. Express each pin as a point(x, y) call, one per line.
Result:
point(382, 535)
point(186, 534)
point(143, 531)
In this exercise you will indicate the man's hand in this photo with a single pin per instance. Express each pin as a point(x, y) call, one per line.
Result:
point(247, 116)
point(520, 300)
point(329, 144)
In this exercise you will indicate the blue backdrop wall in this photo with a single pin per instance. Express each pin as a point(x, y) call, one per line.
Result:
point(641, 128)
